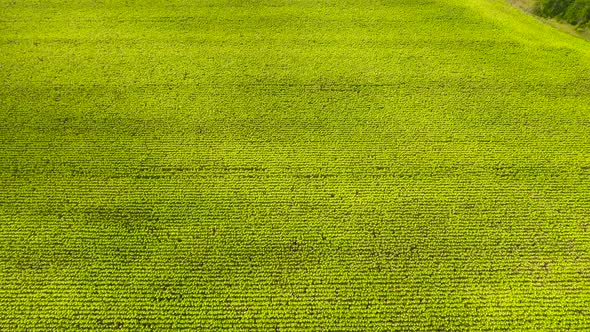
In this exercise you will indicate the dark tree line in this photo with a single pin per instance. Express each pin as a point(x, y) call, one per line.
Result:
point(576, 12)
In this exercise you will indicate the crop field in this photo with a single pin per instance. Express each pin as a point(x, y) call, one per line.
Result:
point(289, 165)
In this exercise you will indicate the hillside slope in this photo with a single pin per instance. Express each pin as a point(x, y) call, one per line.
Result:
point(280, 165)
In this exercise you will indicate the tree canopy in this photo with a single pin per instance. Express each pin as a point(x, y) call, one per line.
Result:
point(576, 12)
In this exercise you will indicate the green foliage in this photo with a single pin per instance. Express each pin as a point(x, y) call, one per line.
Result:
point(575, 12)
point(291, 165)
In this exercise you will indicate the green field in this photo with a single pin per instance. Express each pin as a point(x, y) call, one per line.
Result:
point(288, 165)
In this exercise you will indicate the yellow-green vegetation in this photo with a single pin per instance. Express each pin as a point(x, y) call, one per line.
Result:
point(288, 165)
